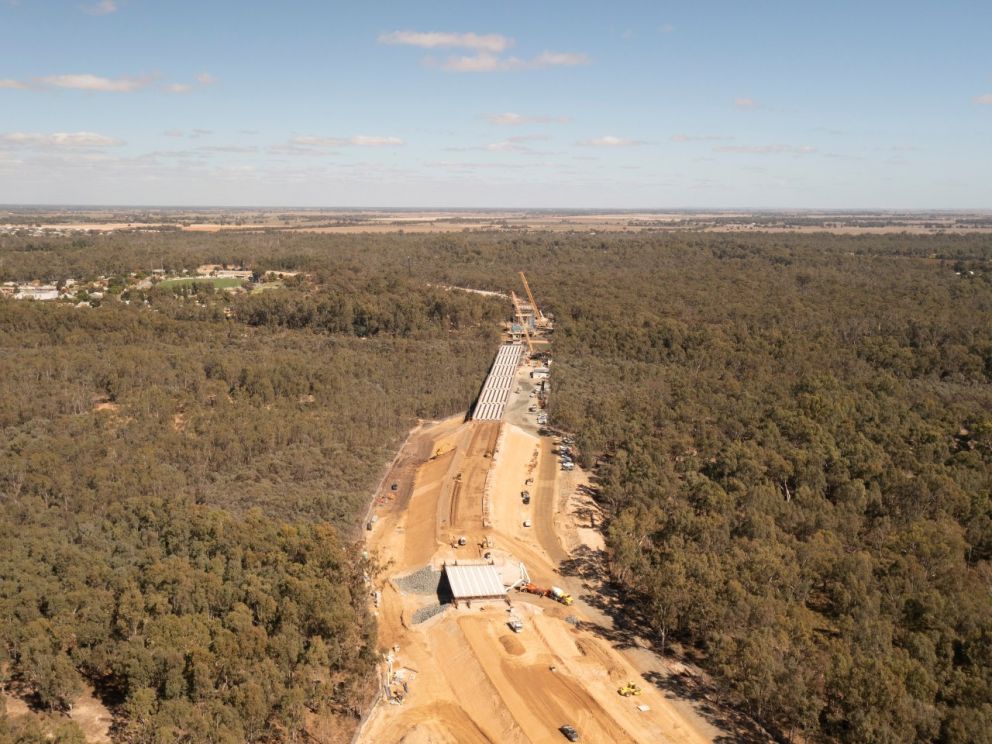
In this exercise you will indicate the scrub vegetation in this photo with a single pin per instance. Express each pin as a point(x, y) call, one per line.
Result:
point(792, 436)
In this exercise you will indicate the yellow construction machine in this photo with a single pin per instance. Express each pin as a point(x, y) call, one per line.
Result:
point(629, 689)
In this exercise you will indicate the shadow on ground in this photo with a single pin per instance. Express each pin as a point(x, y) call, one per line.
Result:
point(627, 626)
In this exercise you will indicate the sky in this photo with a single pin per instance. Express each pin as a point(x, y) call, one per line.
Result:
point(634, 105)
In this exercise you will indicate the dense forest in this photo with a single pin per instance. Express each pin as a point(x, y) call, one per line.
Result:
point(179, 493)
point(799, 468)
point(792, 435)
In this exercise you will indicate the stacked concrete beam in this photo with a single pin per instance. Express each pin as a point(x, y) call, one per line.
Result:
point(496, 390)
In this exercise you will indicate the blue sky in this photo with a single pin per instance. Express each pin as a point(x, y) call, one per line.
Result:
point(870, 104)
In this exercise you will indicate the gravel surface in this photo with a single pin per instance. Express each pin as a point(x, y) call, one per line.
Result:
point(424, 581)
point(426, 613)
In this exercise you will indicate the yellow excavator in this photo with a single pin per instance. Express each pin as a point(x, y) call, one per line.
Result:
point(629, 689)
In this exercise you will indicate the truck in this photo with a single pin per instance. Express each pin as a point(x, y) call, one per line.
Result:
point(516, 624)
point(555, 593)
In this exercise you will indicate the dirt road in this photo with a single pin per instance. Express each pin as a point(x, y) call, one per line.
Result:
point(545, 498)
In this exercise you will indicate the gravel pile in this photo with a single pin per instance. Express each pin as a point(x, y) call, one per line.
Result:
point(424, 581)
point(426, 613)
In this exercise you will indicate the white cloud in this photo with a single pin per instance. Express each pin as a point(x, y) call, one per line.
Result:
point(507, 146)
point(512, 119)
point(610, 141)
point(12, 84)
point(985, 100)
point(510, 144)
point(94, 83)
point(559, 59)
point(58, 140)
point(486, 50)
point(698, 138)
point(768, 149)
point(484, 62)
point(104, 7)
point(487, 62)
point(745, 103)
point(229, 148)
point(436, 40)
point(204, 78)
point(358, 140)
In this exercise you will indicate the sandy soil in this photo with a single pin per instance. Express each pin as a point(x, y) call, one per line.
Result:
point(476, 681)
point(90, 715)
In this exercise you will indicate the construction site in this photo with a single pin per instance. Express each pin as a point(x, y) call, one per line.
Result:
point(483, 639)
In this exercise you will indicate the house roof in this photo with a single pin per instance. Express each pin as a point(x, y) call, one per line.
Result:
point(474, 581)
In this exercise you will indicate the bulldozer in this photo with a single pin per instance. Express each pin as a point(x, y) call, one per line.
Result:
point(628, 689)
point(444, 449)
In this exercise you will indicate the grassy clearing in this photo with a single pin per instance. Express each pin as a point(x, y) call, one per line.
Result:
point(218, 282)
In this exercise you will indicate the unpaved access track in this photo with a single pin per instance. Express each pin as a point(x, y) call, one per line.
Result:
point(469, 677)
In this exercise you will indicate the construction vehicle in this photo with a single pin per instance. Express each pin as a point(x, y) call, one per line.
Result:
point(628, 690)
point(518, 310)
point(559, 595)
point(442, 450)
point(516, 624)
point(539, 320)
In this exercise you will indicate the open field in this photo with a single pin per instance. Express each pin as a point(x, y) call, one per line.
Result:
point(218, 282)
point(344, 221)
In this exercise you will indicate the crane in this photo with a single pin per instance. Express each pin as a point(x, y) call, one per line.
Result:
point(520, 319)
point(538, 315)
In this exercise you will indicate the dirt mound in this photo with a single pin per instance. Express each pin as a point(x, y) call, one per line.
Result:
point(512, 645)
